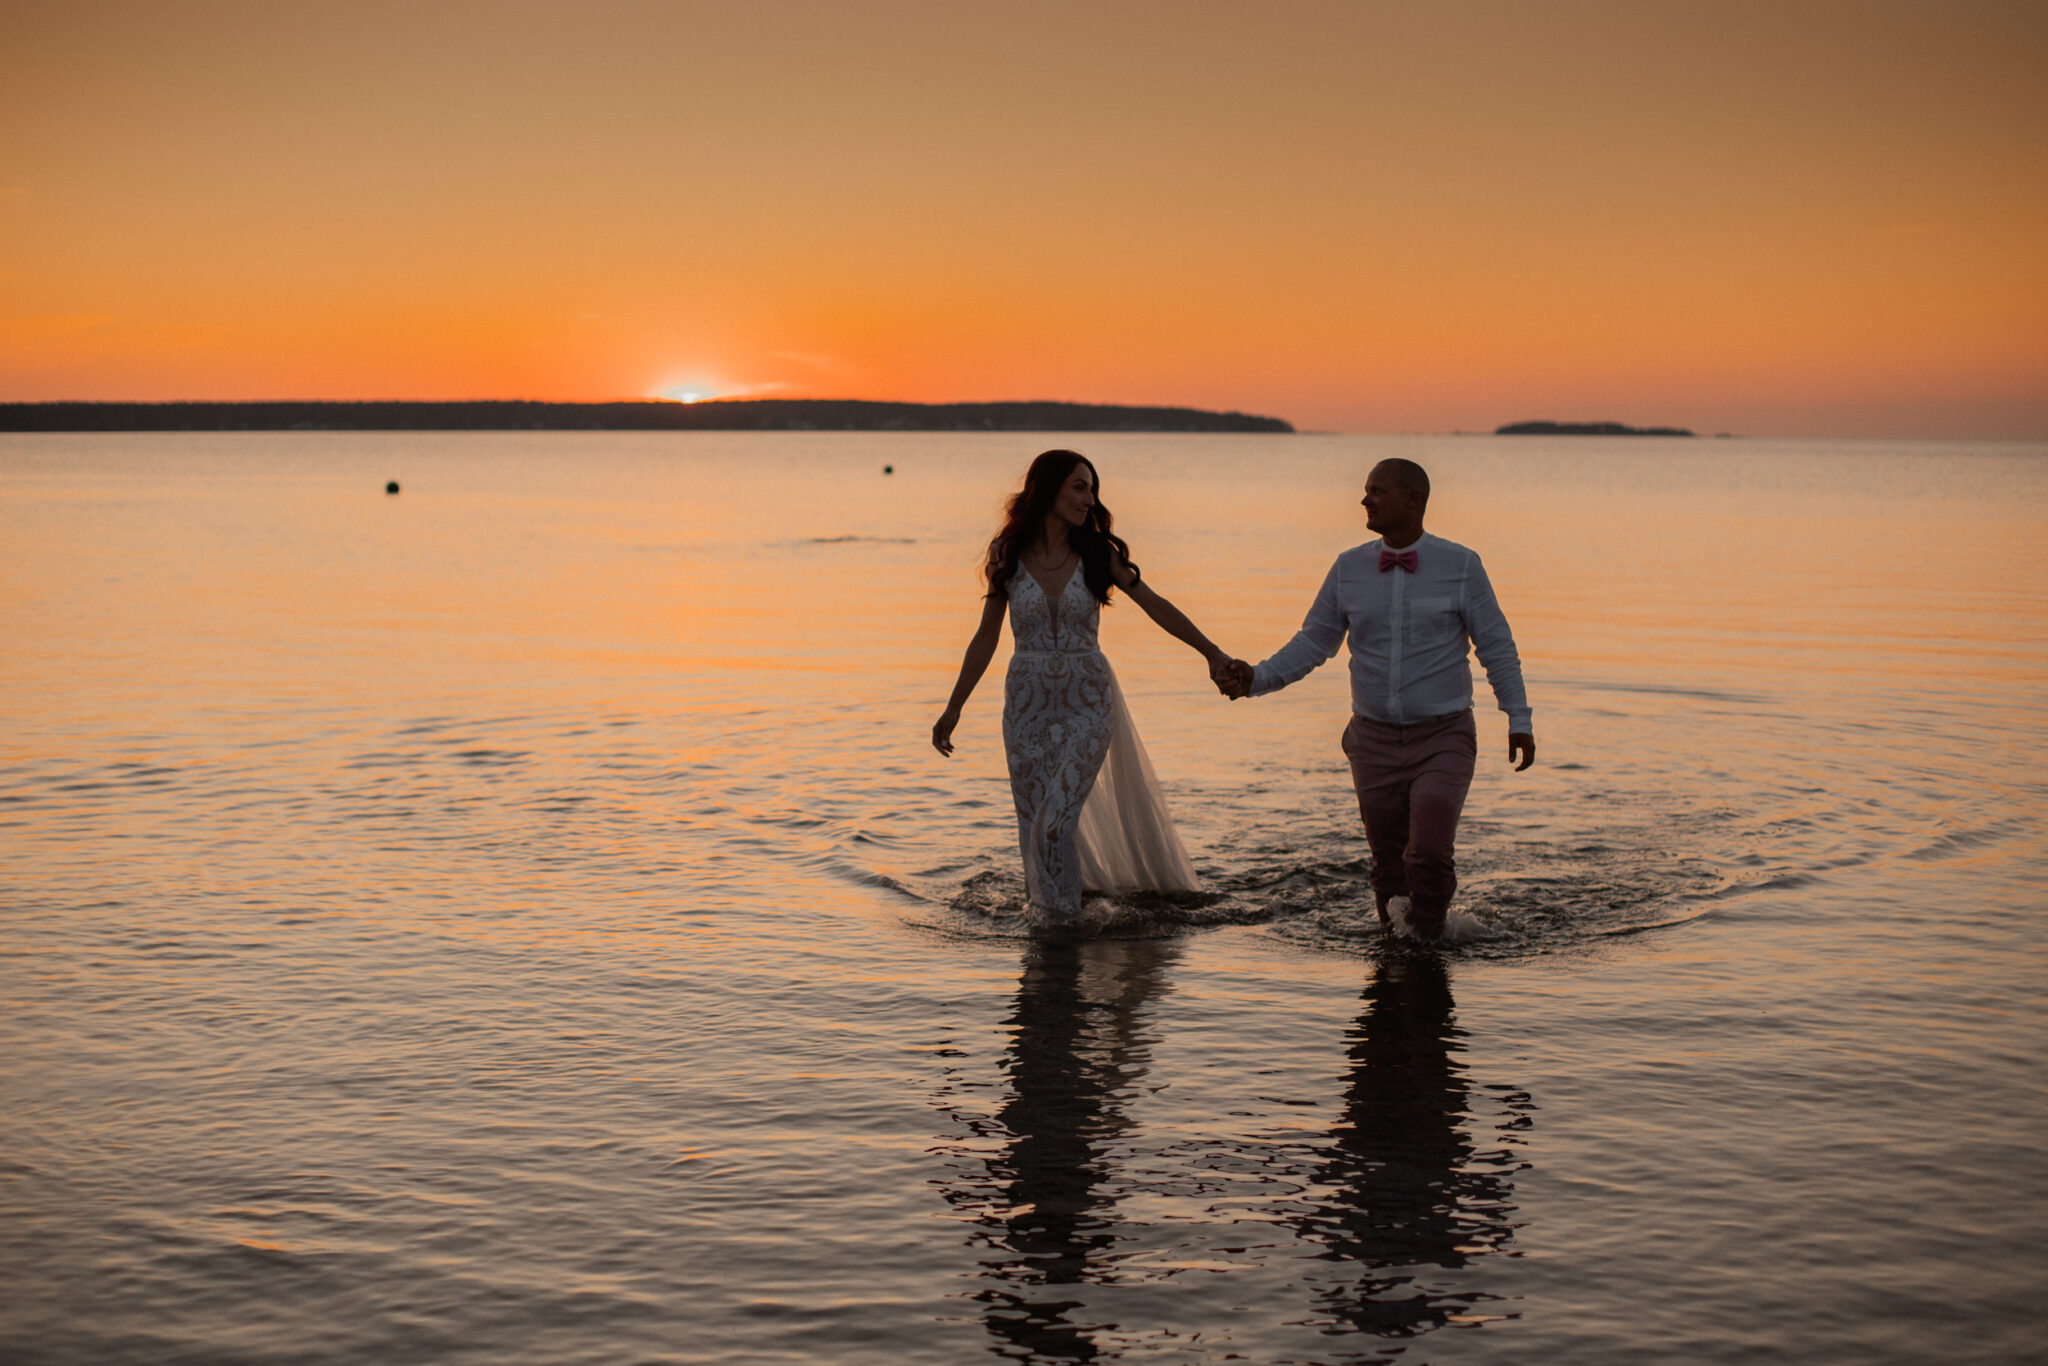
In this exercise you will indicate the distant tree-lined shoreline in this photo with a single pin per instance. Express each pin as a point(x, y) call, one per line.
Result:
point(490, 415)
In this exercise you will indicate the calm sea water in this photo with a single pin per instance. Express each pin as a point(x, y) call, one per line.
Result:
point(522, 920)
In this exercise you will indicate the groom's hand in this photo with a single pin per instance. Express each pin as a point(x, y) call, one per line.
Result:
point(1524, 747)
point(1232, 677)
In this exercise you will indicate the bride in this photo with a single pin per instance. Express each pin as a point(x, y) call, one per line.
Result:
point(1089, 813)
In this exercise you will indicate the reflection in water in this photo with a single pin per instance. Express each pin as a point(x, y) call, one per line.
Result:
point(1076, 1051)
point(1399, 1188)
point(1410, 1183)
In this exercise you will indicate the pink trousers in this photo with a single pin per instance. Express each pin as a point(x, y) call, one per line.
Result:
point(1411, 783)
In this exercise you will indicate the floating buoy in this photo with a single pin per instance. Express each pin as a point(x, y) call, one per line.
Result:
point(391, 486)
point(888, 469)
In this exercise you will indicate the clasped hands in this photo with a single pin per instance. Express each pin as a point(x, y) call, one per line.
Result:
point(1232, 677)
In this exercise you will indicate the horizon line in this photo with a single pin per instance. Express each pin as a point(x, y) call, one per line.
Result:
point(756, 400)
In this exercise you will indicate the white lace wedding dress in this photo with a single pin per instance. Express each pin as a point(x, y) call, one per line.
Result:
point(1089, 811)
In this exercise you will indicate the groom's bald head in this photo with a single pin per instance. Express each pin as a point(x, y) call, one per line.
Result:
point(1404, 475)
point(1396, 492)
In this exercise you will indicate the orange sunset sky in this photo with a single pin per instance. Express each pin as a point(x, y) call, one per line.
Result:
point(1791, 218)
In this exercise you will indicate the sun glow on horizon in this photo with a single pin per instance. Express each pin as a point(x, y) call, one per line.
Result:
point(691, 387)
point(703, 388)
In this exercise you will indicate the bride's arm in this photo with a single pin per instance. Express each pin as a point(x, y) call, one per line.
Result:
point(980, 651)
point(1171, 619)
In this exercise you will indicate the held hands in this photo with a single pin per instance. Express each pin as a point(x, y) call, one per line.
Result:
point(1232, 677)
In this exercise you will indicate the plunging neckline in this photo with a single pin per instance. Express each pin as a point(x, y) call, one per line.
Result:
point(1052, 600)
point(1052, 597)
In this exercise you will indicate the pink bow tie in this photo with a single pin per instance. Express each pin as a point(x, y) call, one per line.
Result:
point(1390, 558)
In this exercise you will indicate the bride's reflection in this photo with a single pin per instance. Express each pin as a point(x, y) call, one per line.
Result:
point(1398, 1188)
point(1078, 1049)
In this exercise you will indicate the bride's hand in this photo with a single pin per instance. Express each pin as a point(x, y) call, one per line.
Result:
point(1232, 677)
point(942, 731)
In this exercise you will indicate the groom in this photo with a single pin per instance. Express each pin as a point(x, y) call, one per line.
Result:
point(1410, 604)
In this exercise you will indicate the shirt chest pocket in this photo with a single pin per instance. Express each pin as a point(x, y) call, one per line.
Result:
point(1433, 620)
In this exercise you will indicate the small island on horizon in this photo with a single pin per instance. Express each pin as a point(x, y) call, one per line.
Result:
point(1545, 428)
point(754, 414)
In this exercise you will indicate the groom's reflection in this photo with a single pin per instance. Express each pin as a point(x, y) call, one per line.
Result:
point(1077, 1050)
point(1398, 1187)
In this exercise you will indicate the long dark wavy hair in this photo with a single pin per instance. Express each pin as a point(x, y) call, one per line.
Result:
point(1026, 512)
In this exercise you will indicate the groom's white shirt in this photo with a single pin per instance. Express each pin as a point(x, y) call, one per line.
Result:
point(1411, 636)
